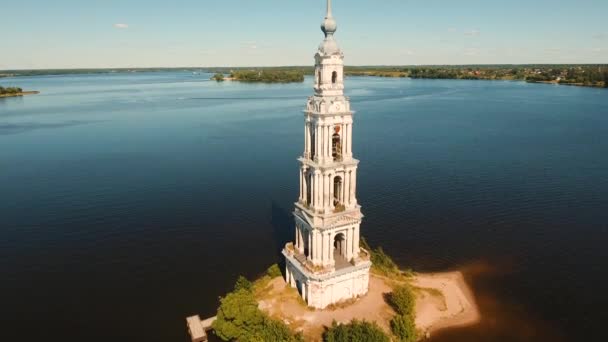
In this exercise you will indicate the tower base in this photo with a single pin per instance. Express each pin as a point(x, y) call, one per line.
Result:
point(321, 289)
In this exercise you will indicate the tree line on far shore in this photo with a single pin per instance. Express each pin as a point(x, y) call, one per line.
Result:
point(268, 76)
point(10, 90)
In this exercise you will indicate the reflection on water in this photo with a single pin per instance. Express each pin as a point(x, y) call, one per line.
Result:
point(138, 199)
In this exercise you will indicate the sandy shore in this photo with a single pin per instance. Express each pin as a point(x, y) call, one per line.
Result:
point(20, 94)
point(443, 300)
point(455, 306)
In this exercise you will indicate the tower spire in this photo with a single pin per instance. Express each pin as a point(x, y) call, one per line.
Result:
point(329, 25)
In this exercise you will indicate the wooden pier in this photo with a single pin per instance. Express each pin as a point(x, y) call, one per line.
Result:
point(198, 329)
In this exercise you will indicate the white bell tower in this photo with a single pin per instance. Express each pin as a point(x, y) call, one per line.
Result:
point(326, 263)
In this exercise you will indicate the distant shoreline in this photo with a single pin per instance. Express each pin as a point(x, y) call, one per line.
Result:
point(581, 75)
point(23, 93)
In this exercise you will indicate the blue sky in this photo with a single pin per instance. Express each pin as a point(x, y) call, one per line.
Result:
point(150, 33)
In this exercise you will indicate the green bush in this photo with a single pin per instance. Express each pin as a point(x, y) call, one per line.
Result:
point(239, 318)
point(274, 271)
point(381, 262)
point(219, 77)
point(402, 299)
point(404, 328)
point(360, 331)
point(243, 284)
point(10, 90)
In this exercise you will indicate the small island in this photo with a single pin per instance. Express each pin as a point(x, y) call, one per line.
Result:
point(401, 305)
point(15, 91)
point(262, 76)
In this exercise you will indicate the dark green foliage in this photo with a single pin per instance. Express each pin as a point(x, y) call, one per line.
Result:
point(274, 271)
point(243, 284)
point(360, 331)
point(404, 328)
point(381, 262)
point(10, 90)
point(219, 77)
point(239, 318)
point(402, 299)
point(268, 76)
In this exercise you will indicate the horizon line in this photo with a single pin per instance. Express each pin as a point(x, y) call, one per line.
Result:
point(308, 66)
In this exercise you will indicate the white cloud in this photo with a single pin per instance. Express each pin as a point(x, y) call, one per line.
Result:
point(121, 26)
point(472, 33)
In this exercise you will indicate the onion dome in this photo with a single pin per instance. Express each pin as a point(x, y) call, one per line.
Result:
point(329, 27)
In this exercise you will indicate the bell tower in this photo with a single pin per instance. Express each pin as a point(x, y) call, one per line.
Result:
point(326, 263)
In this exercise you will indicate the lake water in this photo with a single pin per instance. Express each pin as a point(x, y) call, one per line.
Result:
point(130, 201)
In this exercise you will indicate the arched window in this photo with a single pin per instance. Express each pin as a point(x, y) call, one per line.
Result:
point(309, 188)
point(336, 145)
point(340, 247)
point(338, 193)
point(319, 79)
point(334, 77)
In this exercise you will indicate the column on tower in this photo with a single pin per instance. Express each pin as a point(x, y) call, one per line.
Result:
point(307, 141)
point(316, 141)
point(346, 189)
point(301, 185)
point(328, 142)
point(309, 238)
point(350, 140)
point(326, 193)
point(320, 191)
point(356, 241)
point(354, 186)
point(343, 140)
point(318, 245)
point(349, 241)
point(305, 186)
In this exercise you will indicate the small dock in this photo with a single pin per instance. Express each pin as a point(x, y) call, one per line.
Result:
point(198, 329)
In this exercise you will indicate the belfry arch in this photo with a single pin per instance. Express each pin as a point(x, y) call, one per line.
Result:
point(336, 144)
point(338, 193)
point(340, 244)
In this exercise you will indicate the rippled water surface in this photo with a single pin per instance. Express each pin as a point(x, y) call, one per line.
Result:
point(129, 201)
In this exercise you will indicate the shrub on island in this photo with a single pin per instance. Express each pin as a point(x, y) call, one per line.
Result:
point(239, 318)
point(360, 331)
point(10, 90)
point(274, 271)
point(402, 299)
point(404, 328)
point(219, 77)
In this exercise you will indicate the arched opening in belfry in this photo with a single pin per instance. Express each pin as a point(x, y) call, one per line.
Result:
point(336, 145)
point(334, 77)
point(306, 242)
point(308, 180)
point(319, 79)
point(338, 194)
point(340, 248)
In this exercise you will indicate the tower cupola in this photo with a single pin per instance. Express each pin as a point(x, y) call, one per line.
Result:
point(329, 27)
